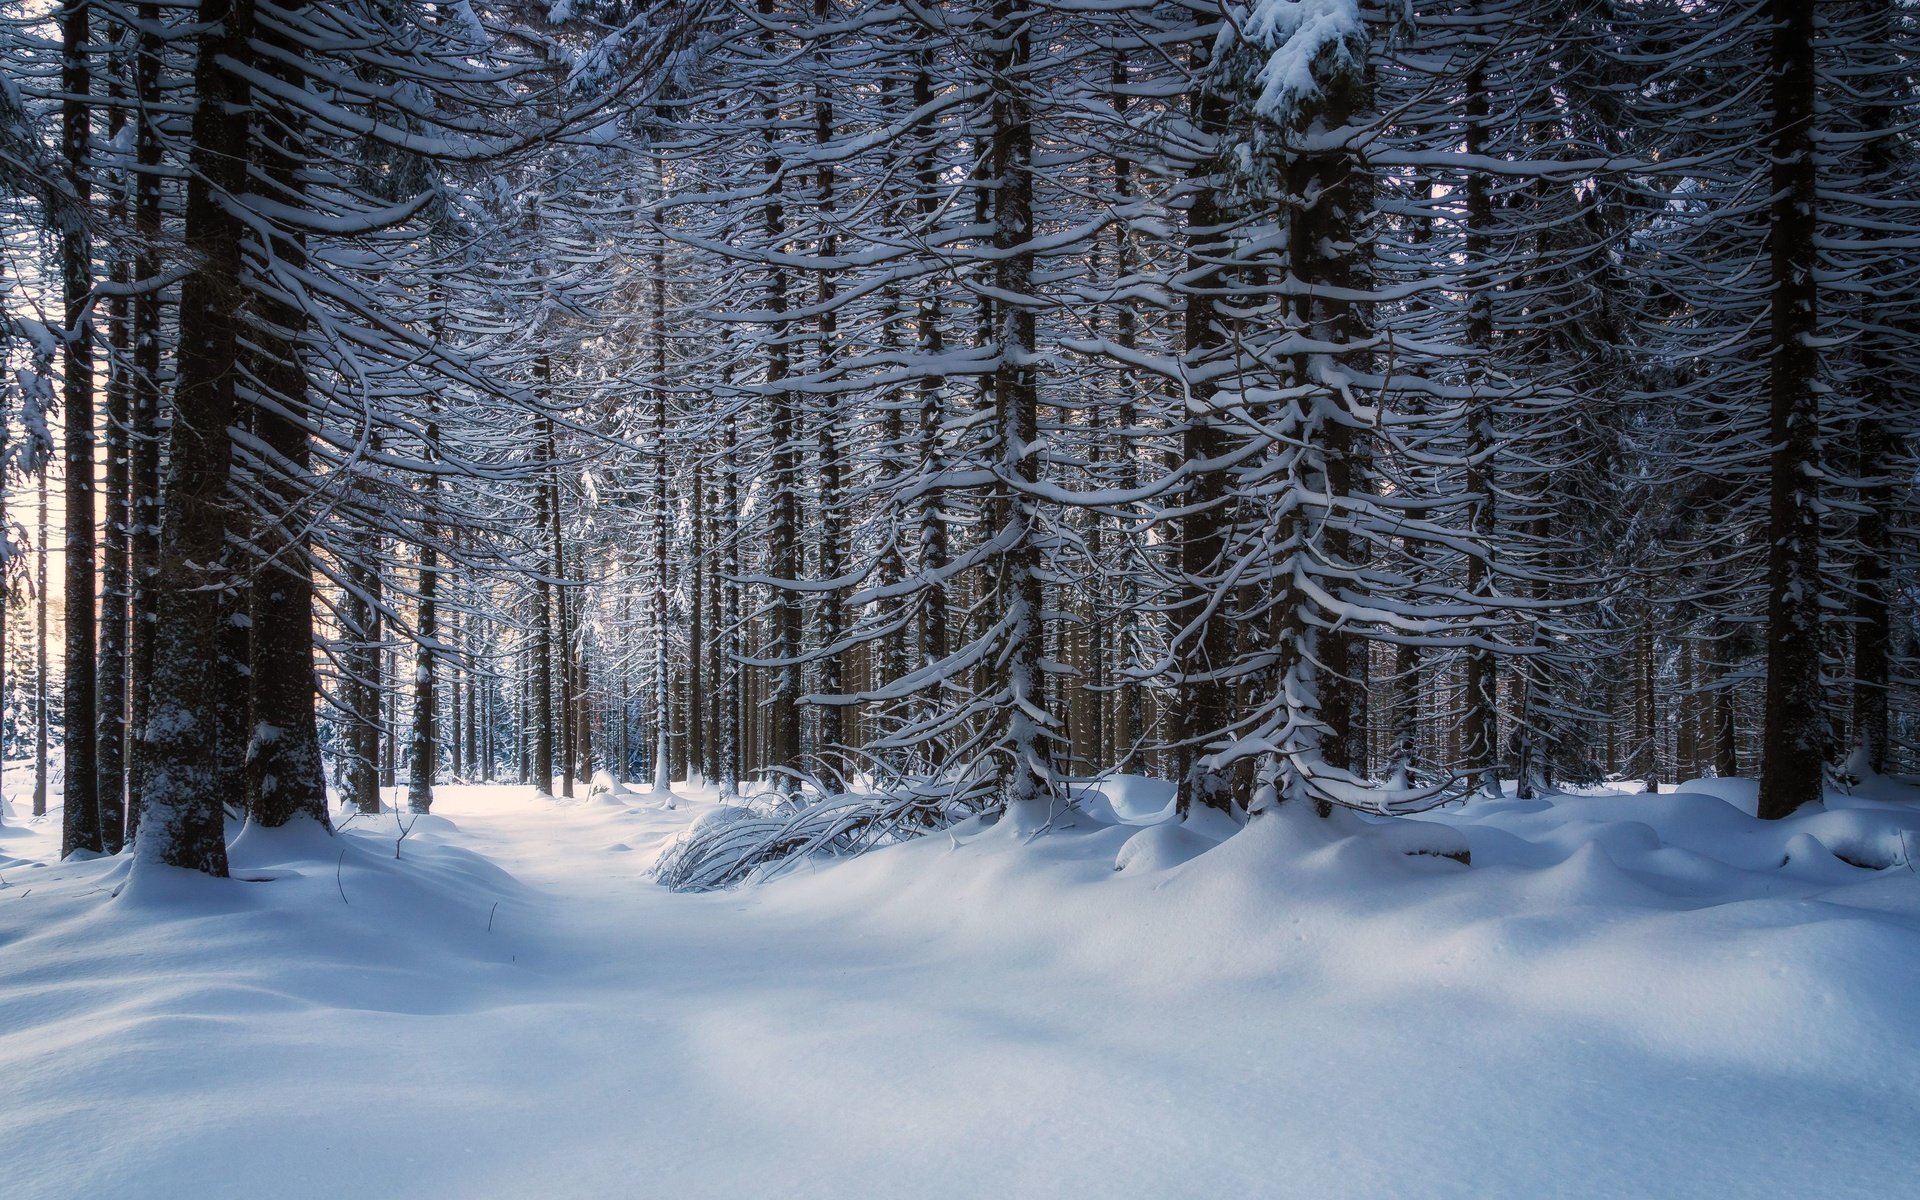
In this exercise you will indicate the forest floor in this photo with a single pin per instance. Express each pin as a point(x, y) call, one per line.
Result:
point(1623, 996)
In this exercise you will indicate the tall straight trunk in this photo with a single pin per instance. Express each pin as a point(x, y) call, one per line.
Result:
point(830, 433)
point(729, 635)
point(1878, 453)
point(144, 404)
point(930, 336)
point(1726, 761)
point(1686, 751)
point(361, 689)
point(1876, 446)
point(388, 694)
point(110, 683)
point(80, 825)
point(181, 820)
point(523, 728)
point(1129, 702)
point(1646, 741)
point(696, 628)
point(42, 694)
point(714, 710)
point(1409, 683)
point(1794, 738)
point(623, 726)
point(542, 749)
point(1481, 726)
point(1204, 636)
point(783, 526)
point(475, 707)
point(662, 518)
point(423, 758)
point(456, 710)
point(561, 722)
point(1320, 185)
point(583, 705)
point(1025, 770)
point(285, 777)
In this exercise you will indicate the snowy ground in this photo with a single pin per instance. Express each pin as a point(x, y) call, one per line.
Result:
point(1622, 996)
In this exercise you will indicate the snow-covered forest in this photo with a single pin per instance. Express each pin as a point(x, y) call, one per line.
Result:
point(1385, 521)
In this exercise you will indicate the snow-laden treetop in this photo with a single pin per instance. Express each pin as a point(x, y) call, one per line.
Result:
point(1297, 35)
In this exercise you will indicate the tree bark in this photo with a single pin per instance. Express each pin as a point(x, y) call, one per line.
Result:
point(181, 821)
point(424, 751)
point(110, 683)
point(1794, 740)
point(1025, 769)
point(80, 825)
point(1204, 635)
point(285, 778)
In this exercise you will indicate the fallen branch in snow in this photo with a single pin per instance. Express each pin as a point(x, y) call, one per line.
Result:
point(337, 868)
point(744, 843)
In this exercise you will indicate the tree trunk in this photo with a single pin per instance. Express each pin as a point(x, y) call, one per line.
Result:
point(144, 431)
point(1795, 736)
point(662, 517)
point(783, 527)
point(1481, 727)
point(43, 695)
point(543, 638)
point(730, 634)
point(285, 778)
point(423, 758)
point(110, 684)
point(361, 688)
point(1204, 637)
point(831, 434)
point(80, 825)
point(181, 821)
point(1025, 769)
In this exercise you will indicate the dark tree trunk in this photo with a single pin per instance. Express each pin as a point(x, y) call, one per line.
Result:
point(931, 337)
point(1876, 442)
point(1025, 770)
point(783, 527)
point(563, 629)
point(662, 517)
point(144, 429)
point(1794, 740)
point(181, 819)
point(1204, 637)
point(362, 687)
point(831, 435)
point(42, 693)
point(423, 755)
point(110, 685)
point(1481, 726)
point(285, 778)
point(1646, 726)
point(696, 631)
point(543, 647)
point(729, 633)
point(80, 821)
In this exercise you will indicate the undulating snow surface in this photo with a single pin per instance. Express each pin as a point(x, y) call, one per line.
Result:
point(1623, 996)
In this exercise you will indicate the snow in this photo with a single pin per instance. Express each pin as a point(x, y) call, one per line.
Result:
point(1296, 35)
point(1623, 995)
